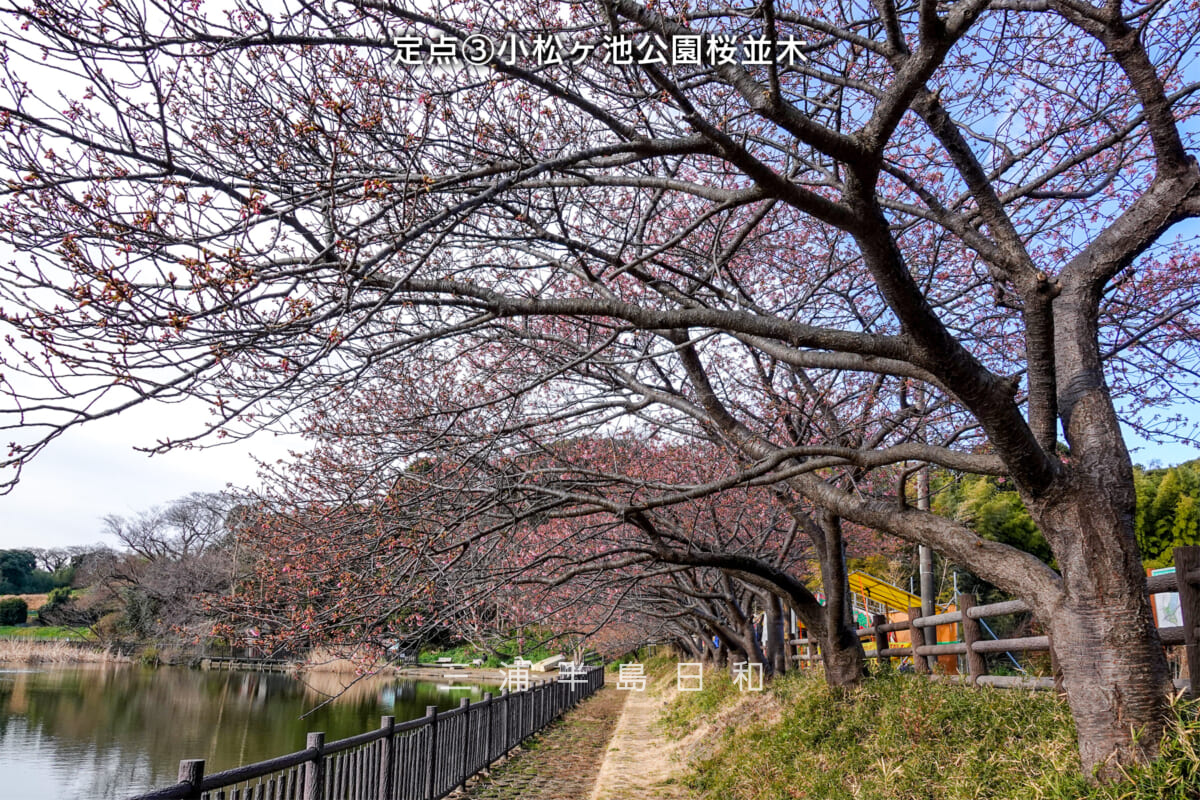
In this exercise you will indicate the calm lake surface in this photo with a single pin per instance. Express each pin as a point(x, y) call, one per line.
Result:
point(108, 732)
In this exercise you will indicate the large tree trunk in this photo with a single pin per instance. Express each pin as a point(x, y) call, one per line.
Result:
point(842, 656)
point(776, 654)
point(721, 655)
point(1114, 671)
point(1116, 680)
point(1113, 667)
point(750, 645)
point(688, 649)
point(841, 649)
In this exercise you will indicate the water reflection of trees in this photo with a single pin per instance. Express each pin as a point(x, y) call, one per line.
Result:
point(409, 697)
point(118, 730)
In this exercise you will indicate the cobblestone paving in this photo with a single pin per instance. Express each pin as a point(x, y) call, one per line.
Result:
point(561, 763)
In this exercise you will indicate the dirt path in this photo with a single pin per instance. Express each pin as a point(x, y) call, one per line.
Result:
point(641, 763)
point(561, 763)
point(607, 749)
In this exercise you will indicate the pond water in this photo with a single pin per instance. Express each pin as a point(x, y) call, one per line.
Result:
point(105, 733)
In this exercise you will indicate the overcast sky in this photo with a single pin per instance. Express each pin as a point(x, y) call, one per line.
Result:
point(93, 471)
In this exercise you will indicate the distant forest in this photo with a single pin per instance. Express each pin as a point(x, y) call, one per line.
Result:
point(37, 571)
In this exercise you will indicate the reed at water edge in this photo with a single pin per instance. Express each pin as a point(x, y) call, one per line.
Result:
point(33, 651)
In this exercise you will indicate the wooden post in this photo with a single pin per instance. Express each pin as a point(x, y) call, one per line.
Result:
point(385, 758)
point(1187, 578)
point(191, 770)
point(972, 633)
point(431, 713)
point(1055, 667)
point(916, 636)
point(314, 769)
point(490, 717)
point(465, 705)
point(881, 643)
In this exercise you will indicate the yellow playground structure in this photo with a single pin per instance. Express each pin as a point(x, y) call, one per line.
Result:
point(870, 596)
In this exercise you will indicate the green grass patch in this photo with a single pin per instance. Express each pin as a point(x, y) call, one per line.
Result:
point(906, 738)
point(466, 653)
point(1174, 775)
point(692, 708)
point(45, 632)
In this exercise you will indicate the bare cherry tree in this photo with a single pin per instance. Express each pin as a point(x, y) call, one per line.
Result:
point(188, 526)
point(956, 214)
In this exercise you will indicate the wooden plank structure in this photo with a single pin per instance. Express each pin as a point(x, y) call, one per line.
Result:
point(423, 759)
point(1185, 581)
point(247, 664)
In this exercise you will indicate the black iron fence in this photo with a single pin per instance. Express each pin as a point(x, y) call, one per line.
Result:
point(423, 759)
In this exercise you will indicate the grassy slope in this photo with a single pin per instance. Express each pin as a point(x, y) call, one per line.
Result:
point(32, 630)
point(465, 654)
point(44, 632)
point(903, 738)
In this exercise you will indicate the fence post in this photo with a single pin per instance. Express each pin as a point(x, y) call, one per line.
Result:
point(881, 642)
point(521, 715)
point(431, 712)
point(385, 758)
point(191, 770)
point(314, 770)
point(1055, 667)
point(916, 637)
point(504, 695)
point(465, 705)
point(490, 704)
point(972, 633)
point(1187, 575)
point(539, 702)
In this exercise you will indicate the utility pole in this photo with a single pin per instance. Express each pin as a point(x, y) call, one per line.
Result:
point(925, 557)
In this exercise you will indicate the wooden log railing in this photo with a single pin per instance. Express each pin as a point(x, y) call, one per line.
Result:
point(423, 759)
point(1185, 581)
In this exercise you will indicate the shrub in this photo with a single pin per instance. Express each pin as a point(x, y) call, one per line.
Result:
point(13, 611)
point(60, 595)
point(56, 602)
point(61, 608)
point(150, 656)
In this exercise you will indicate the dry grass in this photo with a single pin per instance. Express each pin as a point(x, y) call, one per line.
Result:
point(34, 601)
point(351, 661)
point(321, 686)
point(33, 651)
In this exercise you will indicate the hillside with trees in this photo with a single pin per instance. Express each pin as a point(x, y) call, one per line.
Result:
point(1167, 511)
